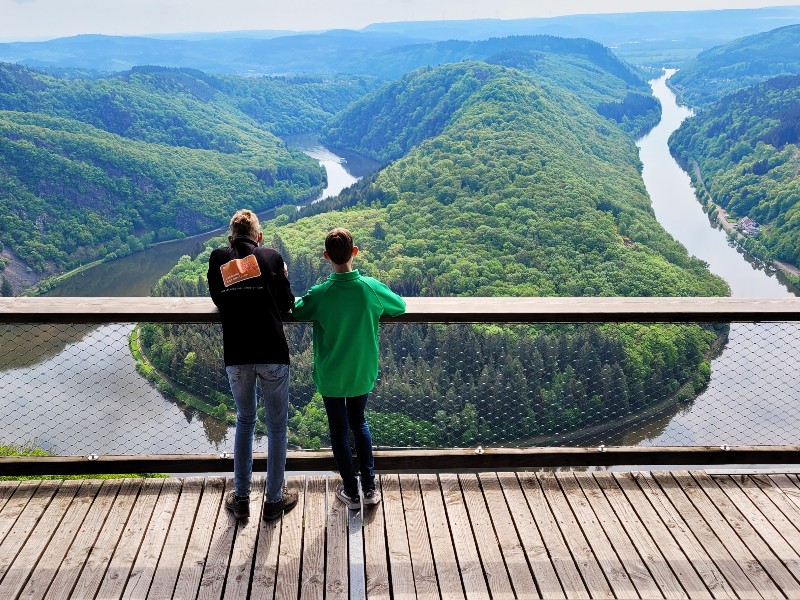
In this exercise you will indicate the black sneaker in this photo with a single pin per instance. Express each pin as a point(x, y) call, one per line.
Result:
point(371, 496)
point(273, 510)
point(238, 505)
point(352, 502)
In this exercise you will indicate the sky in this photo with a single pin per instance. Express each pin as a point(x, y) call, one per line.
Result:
point(45, 19)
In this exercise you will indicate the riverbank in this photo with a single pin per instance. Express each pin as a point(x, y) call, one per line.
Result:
point(719, 217)
point(173, 390)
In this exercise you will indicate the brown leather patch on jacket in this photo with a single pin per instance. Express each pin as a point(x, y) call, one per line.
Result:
point(239, 269)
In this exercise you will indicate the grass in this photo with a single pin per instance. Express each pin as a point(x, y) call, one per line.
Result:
point(11, 450)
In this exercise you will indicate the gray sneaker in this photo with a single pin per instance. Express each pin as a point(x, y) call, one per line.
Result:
point(371, 496)
point(273, 510)
point(352, 502)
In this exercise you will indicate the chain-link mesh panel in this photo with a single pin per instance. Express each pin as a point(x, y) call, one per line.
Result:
point(162, 388)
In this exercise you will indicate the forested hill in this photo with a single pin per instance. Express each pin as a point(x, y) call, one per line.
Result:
point(97, 168)
point(387, 123)
point(747, 148)
point(524, 187)
point(738, 64)
point(525, 191)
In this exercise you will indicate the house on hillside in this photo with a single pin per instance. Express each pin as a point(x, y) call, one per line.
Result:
point(748, 226)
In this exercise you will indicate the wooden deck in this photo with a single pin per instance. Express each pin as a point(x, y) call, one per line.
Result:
point(491, 535)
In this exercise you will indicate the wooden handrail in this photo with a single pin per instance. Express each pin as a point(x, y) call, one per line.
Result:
point(422, 310)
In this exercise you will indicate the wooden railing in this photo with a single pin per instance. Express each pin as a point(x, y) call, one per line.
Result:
point(421, 310)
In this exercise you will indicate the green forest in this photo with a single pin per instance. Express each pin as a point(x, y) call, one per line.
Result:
point(102, 167)
point(739, 64)
point(384, 125)
point(746, 148)
point(502, 186)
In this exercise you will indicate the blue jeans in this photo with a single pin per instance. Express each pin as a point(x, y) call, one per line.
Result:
point(345, 415)
point(275, 388)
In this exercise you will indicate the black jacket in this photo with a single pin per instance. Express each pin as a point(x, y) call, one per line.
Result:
point(250, 288)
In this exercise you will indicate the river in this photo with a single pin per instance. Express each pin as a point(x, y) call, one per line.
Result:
point(754, 394)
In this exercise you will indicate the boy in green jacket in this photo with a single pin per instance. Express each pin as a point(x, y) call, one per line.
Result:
point(346, 310)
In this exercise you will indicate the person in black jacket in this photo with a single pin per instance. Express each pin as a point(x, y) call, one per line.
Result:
point(249, 285)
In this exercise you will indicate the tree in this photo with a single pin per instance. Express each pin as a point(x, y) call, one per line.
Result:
point(6, 290)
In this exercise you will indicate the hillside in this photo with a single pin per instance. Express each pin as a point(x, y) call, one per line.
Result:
point(741, 63)
point(92, 169)
point(524, 191)
point(387, 123)
point(746, 148)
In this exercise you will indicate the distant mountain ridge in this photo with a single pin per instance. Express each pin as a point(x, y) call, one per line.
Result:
point(741, 63)
point(646, 37)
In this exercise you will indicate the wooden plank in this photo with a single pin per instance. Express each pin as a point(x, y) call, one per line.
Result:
point(401, 572)
point(494, 566)
point(419, 543)
point(336, 559)
point(607, 544)
point(144, 568)
point(15, 505)
point(26, 523)
point(265, 568)
point(7, 489)
point(419, 309)
point(743, 572)
point(198, 547)
point(312, 575)
point(696, 554)
point(552, 538)
point(528, 531)
point(73, 563)
point(519, 571)
point(469, 561)
point(48, 565)
point(788, 499)
point(169, 564)
point(376, 560)
point(622, 523)
point(237, 584)
point(17, 574)
point(444, 554)
point(212, 582)
point(290, 548)
point(754, 528)
point(119, 568)
point(96, 563)
point(628, 498)
point(592, 574)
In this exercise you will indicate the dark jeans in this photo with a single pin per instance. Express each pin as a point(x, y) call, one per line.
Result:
point(344, 415)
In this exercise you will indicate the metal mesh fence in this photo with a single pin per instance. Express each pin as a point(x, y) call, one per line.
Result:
point(162, 388)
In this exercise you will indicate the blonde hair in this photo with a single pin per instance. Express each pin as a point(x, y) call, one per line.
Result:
point(245, 224)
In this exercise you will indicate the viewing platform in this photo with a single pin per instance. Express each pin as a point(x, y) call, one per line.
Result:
point(566, 534)
point(484, 521)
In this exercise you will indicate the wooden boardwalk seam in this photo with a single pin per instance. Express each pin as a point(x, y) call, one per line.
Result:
point(565, 534)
